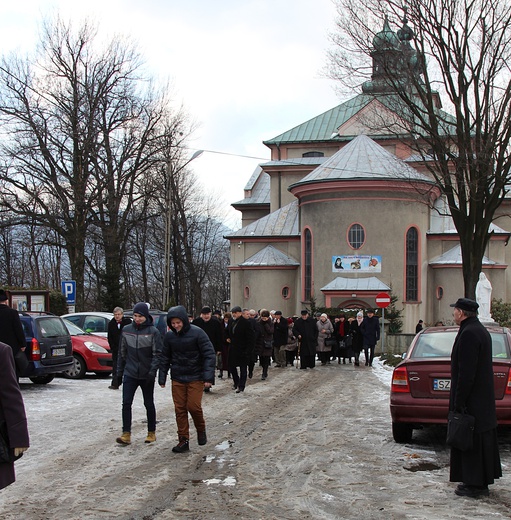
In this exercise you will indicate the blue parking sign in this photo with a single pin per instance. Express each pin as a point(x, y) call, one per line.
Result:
point(69, 291)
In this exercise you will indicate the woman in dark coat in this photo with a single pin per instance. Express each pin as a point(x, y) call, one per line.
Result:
point(264, 340)
point(12, 413)
point(357, 337)
point(472, 389)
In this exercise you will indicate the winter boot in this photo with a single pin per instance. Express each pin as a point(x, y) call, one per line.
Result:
point(151, 437)
point(124, 439)
point(182, 446)
point(202, 438)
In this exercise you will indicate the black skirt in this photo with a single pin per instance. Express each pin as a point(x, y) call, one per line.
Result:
point(479, 466)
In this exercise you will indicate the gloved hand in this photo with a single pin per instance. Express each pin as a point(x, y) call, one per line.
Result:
point(19, 451)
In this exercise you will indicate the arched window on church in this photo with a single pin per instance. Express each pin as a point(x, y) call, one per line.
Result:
point(412, 265)
point(313, 154)
point(307, 260)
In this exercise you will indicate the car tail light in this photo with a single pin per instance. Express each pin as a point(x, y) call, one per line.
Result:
point(400, 380)
point(508, 386)
point(36, 351)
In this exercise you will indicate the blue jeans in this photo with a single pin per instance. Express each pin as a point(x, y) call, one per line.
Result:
point(129, 387)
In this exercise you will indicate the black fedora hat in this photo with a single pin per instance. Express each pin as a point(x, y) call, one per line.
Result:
point(466, 304)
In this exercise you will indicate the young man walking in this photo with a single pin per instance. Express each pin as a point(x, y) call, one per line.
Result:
point(190, 355)
point(139, 352)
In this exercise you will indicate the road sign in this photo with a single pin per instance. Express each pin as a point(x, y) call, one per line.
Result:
point(69, 291)
point(382, 300)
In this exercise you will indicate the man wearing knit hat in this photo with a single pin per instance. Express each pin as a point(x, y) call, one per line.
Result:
point(139, 352)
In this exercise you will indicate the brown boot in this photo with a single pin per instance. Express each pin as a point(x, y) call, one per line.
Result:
point(151, 437)
point(124, 439)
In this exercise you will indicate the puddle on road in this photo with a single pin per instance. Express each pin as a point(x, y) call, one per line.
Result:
point(422, 466)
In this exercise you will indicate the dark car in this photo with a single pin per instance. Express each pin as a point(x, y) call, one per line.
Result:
point(49, 349)
point(159, 319)
point(419, 392)
point(91, 353)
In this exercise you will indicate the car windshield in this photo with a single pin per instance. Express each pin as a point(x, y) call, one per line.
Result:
point(73, 329)
point(439, 344)
point(52, 328)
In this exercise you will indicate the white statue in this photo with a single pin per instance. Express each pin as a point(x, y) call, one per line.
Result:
point(483, 297)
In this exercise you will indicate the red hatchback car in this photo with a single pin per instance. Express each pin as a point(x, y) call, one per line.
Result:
point(419, 392)
point(91, 353)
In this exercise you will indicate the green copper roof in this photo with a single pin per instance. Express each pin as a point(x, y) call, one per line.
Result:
point(324, 127)
point(321, 128)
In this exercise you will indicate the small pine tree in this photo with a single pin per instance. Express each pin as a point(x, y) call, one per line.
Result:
point(393, 315)
point(58, 303)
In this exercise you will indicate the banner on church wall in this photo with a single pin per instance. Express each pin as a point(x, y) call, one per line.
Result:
point(356, 264)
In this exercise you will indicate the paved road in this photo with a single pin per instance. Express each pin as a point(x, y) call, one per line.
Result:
point(301, 445)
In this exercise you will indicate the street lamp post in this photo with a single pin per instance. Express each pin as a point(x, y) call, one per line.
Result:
point(168, 223)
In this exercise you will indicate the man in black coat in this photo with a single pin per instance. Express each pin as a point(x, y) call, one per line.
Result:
point(472, 391)
point(370, 330)
point(213, 328)
point(11, 329)
point(306, 330)
point(242, 343)
point(114, 331)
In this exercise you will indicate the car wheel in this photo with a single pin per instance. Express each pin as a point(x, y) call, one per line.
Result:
point(77, 371)
point(402, 432)
point(42, 380)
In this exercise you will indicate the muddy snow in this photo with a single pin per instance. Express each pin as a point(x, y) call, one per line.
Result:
point(304, 444)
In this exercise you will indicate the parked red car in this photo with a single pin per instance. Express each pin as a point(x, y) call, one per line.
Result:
point(419, 392)
point(91, 353)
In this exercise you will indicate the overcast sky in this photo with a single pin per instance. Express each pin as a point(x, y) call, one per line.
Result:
point(245, 70)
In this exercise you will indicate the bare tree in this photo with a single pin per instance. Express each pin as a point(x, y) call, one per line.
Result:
point(82, 131)
point(460, 50)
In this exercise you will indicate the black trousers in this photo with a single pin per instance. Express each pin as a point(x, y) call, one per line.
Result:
point(239, 380)
point(307, 361)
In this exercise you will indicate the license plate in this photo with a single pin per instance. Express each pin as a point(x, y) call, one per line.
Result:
point(58, 352)
point(441, 384)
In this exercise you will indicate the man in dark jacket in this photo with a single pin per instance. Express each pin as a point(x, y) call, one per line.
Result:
point(472, 391)
point(139, 352)
point(306, 330)
point(11, 329)
point(189, 353)
point(242, 343)
point(115, 326)
point(370, 330)
point(213, 328)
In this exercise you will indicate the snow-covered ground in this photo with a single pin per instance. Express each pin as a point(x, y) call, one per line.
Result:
point(304, 444)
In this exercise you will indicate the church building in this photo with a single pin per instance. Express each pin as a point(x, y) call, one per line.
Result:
point(344, 211)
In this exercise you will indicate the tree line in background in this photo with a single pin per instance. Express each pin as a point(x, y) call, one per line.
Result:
point(94, 173)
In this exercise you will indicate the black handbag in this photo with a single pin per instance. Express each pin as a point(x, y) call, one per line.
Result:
point(21, 361)
point(6, 452)
point(460, 431)
point(331, 342)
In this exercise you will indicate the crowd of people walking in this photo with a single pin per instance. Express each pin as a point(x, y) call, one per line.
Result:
point(196, 350)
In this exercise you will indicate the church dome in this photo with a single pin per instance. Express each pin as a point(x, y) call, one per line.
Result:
point(386, 39)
